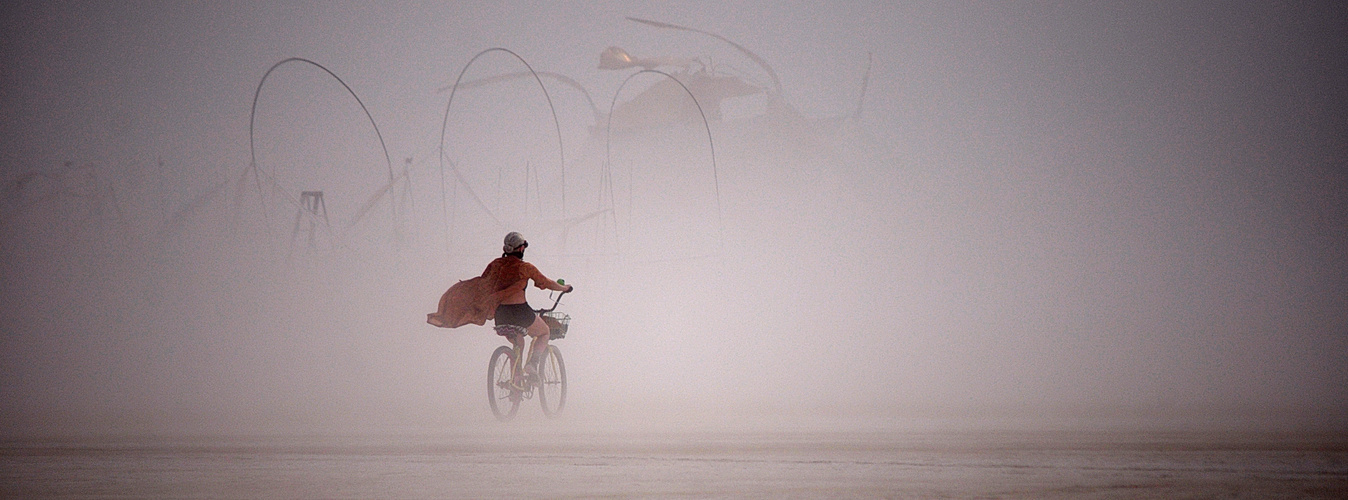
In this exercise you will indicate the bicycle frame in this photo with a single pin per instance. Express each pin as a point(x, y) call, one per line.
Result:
point(507, 386)
point(519, 346)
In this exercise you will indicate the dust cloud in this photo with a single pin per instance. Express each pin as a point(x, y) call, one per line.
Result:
point(1029, 215)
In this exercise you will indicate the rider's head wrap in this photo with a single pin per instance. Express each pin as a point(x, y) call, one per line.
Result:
point(514, 241)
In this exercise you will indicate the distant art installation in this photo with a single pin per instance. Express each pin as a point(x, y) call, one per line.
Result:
point(256, 171)
point(444, 126)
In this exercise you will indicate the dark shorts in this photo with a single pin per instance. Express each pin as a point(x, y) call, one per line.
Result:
point(515, 314)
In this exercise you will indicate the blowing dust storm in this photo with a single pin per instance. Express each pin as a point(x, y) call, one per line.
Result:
point(1033, 216)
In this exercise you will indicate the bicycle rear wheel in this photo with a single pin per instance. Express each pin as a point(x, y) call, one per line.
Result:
point(504, 400)
point(552, 382)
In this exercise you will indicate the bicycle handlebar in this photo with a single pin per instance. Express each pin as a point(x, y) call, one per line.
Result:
point(554, 304)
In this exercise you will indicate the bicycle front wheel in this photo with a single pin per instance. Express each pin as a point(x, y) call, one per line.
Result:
point(504, 400)
point(552, 382)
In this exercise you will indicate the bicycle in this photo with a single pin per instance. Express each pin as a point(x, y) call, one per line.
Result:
point(508, 384)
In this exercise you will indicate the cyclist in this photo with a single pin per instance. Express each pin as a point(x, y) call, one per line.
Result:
point(509, 276)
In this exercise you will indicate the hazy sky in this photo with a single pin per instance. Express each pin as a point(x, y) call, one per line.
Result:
point(1077, 214)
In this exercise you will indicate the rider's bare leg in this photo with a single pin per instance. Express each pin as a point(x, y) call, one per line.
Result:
point(539, 331)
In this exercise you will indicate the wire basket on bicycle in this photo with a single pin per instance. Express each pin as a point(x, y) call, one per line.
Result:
point(558, 323)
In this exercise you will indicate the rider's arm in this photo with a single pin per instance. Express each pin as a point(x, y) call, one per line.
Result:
point(543, 282)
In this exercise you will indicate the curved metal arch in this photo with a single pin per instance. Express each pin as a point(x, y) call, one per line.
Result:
point(608, 142)
point(555, 76)
point(444, 127)
point(252, 115)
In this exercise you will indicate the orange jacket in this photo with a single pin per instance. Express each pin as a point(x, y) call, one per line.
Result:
point(475, 300)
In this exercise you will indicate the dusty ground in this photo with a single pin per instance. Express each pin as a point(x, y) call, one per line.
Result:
point(506, 462)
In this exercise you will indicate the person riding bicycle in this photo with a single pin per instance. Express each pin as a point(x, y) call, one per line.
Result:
point(510, 275)
point(499, 294)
